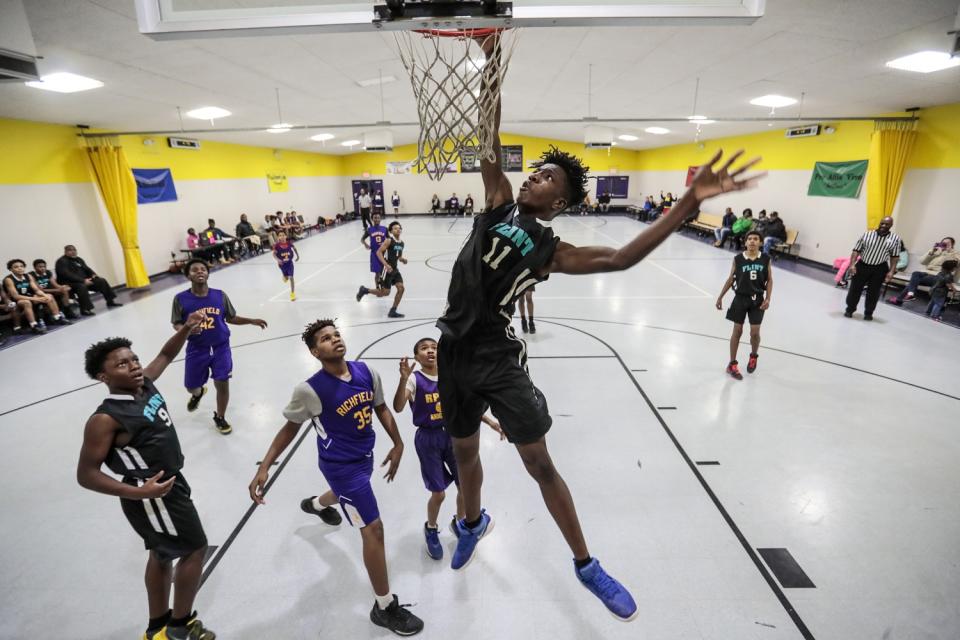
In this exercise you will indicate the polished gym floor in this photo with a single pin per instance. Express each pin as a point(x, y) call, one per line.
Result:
point(838, 458)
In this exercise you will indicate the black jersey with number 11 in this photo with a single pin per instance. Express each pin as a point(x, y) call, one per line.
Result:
point(506, 254)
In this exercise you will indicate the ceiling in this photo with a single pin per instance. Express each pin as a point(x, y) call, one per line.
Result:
point(831, 51)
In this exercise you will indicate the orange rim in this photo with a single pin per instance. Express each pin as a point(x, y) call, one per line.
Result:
point(459, 33)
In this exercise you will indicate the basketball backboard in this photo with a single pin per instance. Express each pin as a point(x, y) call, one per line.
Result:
point(174, 19)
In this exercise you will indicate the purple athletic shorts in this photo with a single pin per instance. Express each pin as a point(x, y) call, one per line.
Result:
point(438, 466)
point(286, 269)
point(203, 363)
point(350, 482)
point(375, 265)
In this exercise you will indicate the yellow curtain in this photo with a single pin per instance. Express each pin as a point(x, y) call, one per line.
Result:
point(119, 192)
point(890, 148)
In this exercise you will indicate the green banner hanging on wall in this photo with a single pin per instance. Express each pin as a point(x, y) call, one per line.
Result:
point(837, 179)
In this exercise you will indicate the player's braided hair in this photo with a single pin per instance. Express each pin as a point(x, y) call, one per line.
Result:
point(97, 353)
point(193, 261)
point(573, 167)
point(311, 330)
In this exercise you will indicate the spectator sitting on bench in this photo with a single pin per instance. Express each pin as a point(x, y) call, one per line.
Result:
point(760, 223)
point(435, 204)
point(72, 270)
point(933, 261)
point(940, 289)
point(49, 285)
point(23, 289)
point(666, 201)
point(774, 232)
point(603, 201)
point(741, 226)
point(453, 204)
point(726, 226)
point(468, 205)
point(216, 238)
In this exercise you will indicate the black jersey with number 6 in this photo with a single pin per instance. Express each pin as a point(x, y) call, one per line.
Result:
point(750, 276)
point(153, 445)
point(505, 255)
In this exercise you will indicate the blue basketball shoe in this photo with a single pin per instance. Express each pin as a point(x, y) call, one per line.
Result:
point(434, 548)
point(612, 594)
point(468, 539)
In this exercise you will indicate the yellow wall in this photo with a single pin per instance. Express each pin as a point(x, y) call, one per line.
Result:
point(938, 145)
point(35, 153)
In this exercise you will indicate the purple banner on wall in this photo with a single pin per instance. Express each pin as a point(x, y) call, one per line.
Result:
point(154, 185)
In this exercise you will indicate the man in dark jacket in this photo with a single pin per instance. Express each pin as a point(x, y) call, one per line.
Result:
point(774, 233)
point(726, 227)
point(72, 270)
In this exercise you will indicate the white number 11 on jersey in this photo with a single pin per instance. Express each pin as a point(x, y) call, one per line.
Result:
point(493, 249)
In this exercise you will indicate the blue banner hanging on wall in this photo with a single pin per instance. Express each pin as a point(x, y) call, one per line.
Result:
point(154, 185)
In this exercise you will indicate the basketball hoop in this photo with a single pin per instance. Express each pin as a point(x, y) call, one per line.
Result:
point(449, 73)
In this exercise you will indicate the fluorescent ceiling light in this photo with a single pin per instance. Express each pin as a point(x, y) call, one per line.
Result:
point(704, 121)
point(696, 118)
point(63, 82)
point(208, 113)
point(773, 101)
point(657, 131)
point(349, 143)
point(323, 137)
point(925, 61)
point(282, 127)
point(372, 82)
point(628, 138)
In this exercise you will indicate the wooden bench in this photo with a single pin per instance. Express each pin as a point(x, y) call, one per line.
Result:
point(705, 223)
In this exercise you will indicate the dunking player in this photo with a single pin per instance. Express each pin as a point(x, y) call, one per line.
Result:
point(482, 362)
point(339, 402)
point(376, 233)
point(208, 349)
point(283, 253)
point(132, 433)
point(389, 254)
point(752, 282)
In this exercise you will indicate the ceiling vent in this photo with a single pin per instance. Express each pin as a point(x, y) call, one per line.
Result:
point(183, 143)
point(18, 55)
point(804, 132)
point(378, 141)
point(598, 137)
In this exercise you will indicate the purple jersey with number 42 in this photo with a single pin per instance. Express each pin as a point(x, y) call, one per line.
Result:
point(345, 424)
point(213, 330)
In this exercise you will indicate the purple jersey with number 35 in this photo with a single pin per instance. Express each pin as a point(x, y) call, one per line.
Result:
point(345, 424)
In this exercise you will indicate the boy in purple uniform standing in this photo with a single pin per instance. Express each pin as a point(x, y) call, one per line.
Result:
point(377, 233)
point(438, 466)
point(339, 402)
point(283, 253)
point(208, 349)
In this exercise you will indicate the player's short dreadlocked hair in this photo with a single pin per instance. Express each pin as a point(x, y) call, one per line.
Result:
point(573, 167)
point(193, 261)
point(97, 353)
point(311, 330)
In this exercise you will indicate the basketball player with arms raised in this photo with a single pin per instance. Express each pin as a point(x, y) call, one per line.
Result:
point(481, 361)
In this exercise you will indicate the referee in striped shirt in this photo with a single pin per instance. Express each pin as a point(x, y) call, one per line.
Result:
point(878, 252)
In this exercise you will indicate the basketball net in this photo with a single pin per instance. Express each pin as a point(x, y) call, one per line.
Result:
point(457, 89)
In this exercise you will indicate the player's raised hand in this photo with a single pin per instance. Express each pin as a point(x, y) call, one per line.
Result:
point(393, 458)
point(195, 319)
point(258, 486)
point(406, 369)
point(711, 181)
point(153, 488)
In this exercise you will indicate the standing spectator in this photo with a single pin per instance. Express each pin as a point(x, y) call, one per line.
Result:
point(604, 201)
point(942, 284)
point(933, 261)
point(435, 204)
point(878, 251)
point(395, 202)
point(364, 201)
point(726, 225)
point(774, 233)
point(47, 282)
point(73, 271)
point(468, 205)
point(378, 202)
point(247, 234)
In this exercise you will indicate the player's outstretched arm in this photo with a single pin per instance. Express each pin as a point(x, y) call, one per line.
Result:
point(727, 284)
point(706, 184)
point(493, 424)
point(98, 437)
point(395, 453)
point(238, 320)
point(281, 441)
point(496, 186)
point(402, 396)
point(173, 346)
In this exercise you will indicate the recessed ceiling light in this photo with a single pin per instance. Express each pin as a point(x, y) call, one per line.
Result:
point(372, 82)
point(773, 101)
point(208, 113)
point(63, 82)
point(657, 131)
point(323, 137)
point(349, 143)
point(628, 138)
point(281, 127)
point(925, 61)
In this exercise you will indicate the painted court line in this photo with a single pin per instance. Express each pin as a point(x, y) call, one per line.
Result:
point(286, 290)
point(407, 299)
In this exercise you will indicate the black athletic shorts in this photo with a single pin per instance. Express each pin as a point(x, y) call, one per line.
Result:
point(169, 526)
point(386, 280)
point(743, 307)
point(475, 374)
